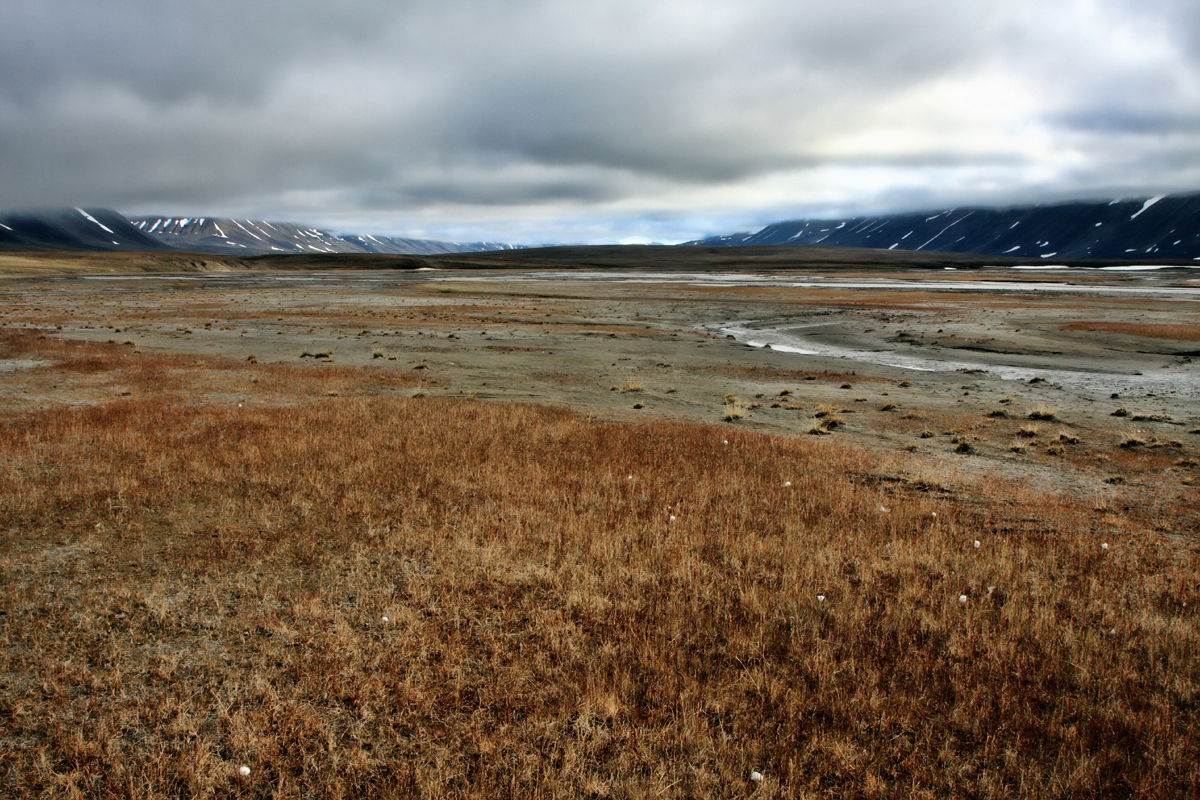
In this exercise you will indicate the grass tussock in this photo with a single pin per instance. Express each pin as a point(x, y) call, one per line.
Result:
point(735, 408)
point(1043, 412)
point(735, 411)
point(1138, 439)
point(377, 596)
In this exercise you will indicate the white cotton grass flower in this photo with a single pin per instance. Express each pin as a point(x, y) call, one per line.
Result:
point(962, 598)
point(820, 598)
point(756, 776)
point(385, 620)
point(976, 544)
point(1104, 546)
point(244, 771)
point(725, 442)
point(787, 483)
point(630, 477)
point(672, 518)
point(990, 590)
point(884, 509)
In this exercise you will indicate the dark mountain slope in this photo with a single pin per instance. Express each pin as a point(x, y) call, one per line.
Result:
point(1147, 229)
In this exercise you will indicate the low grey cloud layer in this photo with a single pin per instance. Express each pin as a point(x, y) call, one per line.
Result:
point(558, 121)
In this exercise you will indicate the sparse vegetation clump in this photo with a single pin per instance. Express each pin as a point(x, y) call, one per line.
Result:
point(734, 408)
point(1043, 412)
point(1138, 439)
point(1131, 440)
point(733, 413)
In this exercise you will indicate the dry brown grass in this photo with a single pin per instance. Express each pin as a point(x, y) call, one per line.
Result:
point(1182, 333)
point(188, 587)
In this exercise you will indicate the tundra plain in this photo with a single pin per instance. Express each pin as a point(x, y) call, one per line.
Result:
point(477, 533)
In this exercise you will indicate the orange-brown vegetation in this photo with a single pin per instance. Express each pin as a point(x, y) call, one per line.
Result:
point(376, 595)
point(1182, 333)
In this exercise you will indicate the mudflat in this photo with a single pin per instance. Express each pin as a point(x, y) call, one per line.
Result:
point(1031, 375)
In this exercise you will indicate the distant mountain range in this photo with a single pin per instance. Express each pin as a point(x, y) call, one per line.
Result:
point(106, 230)
point(257, 237)
point(1165, 228)
point(1144, 229)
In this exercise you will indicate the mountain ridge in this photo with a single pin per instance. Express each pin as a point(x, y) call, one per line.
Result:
point(226, 235)
point(1163, 227)
point(106, 230)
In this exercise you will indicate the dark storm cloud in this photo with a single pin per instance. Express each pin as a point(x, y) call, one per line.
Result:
point(577, 118)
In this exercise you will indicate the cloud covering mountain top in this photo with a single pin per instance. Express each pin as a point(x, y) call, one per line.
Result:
point(563, 121)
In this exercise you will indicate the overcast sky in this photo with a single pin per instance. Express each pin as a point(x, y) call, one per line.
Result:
point(573, 121)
